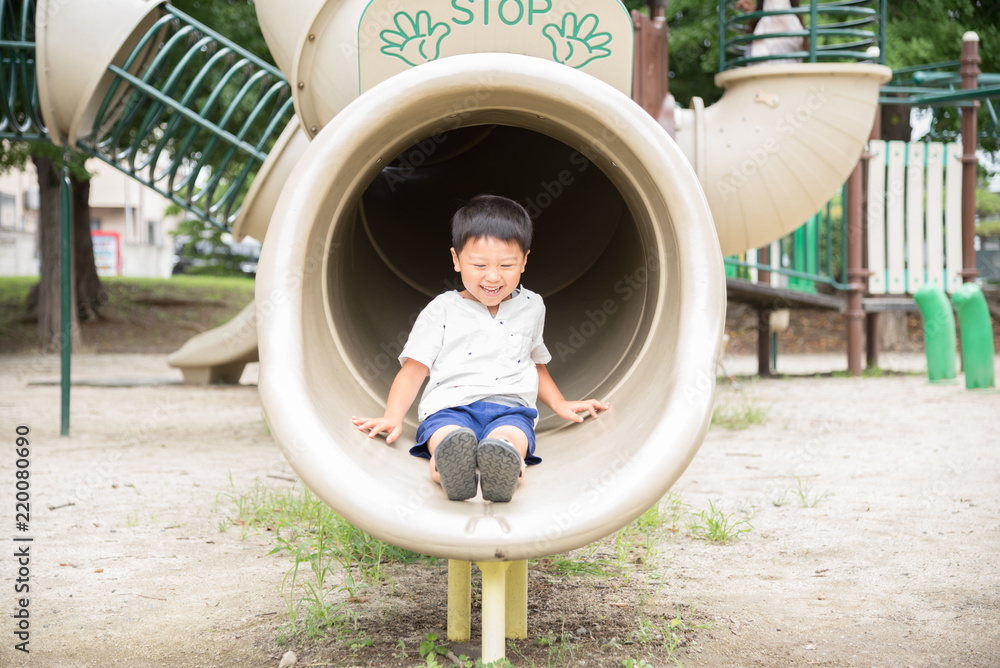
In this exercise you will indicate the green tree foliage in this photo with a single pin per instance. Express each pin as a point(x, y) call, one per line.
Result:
point(917, 32)
point(234, 19)
point(930, 31)
point(694, 50)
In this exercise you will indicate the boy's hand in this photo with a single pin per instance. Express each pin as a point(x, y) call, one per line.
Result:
point(568, 410)
point(375, 426)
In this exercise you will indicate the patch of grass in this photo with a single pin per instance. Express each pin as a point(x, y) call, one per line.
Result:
point(808, 497)
point(560, 646)
point(329, 555)
point(716, 526)
point(738, 416)
point(14, 290)
point(562, 565)
point(868, 372)
point(671, 633)
point(182, 287)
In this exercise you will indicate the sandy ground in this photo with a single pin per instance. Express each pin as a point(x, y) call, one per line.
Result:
point(897, 563)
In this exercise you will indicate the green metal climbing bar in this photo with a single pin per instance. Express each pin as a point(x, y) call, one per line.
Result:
point(19, 114)
point(835, 30)
point(939, 85)
point(189, 113)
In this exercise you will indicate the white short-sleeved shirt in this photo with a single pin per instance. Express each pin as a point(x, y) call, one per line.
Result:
point(473, 355)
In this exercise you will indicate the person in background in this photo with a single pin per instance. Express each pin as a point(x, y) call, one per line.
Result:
point(765, 25)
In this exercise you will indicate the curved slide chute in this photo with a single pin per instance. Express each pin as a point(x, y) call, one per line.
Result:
point(634, 311)
point(778, 144)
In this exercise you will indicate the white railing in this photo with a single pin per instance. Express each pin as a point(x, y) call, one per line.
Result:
point(914, 216)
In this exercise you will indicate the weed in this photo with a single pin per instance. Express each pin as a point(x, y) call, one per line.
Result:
point(636, 663)
point(673, 509)
point(807, 497)
point(430, 650)
point(328, 554)
point(566, 566)
point(714, 525)
point(358, 643)
point(132, 520)
point(738, 416)
point(748, 509)
point(561, 650)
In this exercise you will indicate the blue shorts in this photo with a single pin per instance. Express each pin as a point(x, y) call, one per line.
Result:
point(482, 418)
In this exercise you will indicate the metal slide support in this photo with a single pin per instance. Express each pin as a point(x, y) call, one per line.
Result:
point(459, 600)
point(494, 609)
point(516, 619)
point(514, 590)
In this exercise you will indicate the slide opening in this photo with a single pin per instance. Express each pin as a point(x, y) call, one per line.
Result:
point(592, 259)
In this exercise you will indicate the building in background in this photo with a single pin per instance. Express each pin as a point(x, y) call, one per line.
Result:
point(128, 218)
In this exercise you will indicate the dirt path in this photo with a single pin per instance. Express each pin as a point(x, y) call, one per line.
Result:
point(896, 564)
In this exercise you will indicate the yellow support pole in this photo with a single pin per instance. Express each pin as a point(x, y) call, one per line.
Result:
point(517, 599)
point(459, 600)
point(494, 609)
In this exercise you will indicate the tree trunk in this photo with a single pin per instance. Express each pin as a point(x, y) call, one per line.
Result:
point(896, 122)
point(49, 304)
point(91, 297)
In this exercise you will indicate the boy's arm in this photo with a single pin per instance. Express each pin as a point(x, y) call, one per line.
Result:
point(401, 395)
point(550, 395)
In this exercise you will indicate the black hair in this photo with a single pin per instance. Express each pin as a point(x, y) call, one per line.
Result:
point(491, 216)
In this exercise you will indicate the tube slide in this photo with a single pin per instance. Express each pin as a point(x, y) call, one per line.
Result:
point(778, 144)
point(625, 255)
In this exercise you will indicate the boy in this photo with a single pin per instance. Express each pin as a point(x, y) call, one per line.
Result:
point(484, 352)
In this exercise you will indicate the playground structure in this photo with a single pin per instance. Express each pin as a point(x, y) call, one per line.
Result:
point(904, 220)
point(532, 105)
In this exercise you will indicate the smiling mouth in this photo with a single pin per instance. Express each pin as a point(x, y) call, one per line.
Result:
point(492, 292)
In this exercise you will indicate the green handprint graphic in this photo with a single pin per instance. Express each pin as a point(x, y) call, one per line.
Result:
point(414, 41)
point(577, 43)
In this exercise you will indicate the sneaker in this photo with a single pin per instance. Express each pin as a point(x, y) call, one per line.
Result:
point(499, 467)
point(455, 459)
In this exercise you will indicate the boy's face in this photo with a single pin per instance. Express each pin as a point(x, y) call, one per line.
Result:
point(491, 269)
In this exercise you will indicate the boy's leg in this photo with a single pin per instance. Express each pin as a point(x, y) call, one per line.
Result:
point(453, 461)
point(433, 442)
point(515, 437)
point(501, 462)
